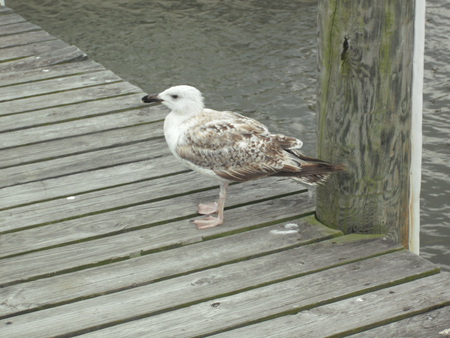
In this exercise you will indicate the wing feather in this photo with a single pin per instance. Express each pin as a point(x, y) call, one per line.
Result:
point(236, 147)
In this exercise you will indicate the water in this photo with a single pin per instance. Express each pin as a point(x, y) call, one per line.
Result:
point(257, 57)
point(435, 201)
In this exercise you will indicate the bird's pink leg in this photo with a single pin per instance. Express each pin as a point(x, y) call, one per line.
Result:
point(207, 208)
point(210, 221)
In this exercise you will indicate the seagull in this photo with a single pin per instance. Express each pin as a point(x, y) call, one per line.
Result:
point(230, 147)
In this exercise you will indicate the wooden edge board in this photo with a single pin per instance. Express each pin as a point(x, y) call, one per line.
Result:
point(435, 323)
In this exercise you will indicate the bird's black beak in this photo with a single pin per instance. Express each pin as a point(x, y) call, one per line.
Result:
point(151, 98)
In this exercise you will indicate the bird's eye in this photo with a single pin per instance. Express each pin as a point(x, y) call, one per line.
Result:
point(174, 96)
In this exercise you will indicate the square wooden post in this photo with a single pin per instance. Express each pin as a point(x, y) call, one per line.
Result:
point(365, 115)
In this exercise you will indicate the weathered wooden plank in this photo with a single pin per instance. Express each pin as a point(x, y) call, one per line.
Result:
point(77, 144)
point(7, 19)
point(77, 127)
point(59, 84)
point(82, 162)
point(48, 58)
point(124, 244)
point(146, 213)
point(5, 9)
point(62, 187)
point(18, 55)
point(218, 314)
point(143, 270)
point(24, 38)
point(206, 284)
point(430, 324)
point(52, 71)
point(100, 200)
point(65, 98)
point(72, 128)
point(357, 313)
point(80, 110)
point(19, 27)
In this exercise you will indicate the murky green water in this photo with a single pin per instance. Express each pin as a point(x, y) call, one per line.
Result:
point(257, 57)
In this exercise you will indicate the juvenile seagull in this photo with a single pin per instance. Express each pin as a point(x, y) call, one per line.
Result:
point(230, 147)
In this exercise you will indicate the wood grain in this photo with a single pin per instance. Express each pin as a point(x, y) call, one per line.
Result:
point(77, 111)
point(364, 114)
point(344, 317)
point(11, 18)
point(52, 71)
point(208, 284)
point(429, 324)
point(146, 268)
point(15, 55)
point(43, 133)
point(61, 99)
point(15, 28)
point(24, 38)
point(120, 244)
point(71, 144)
point(60, 84)
point(144, 211)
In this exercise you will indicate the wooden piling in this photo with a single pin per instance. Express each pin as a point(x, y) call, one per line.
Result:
point(365, 89)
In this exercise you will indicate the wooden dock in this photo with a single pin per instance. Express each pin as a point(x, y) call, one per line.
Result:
point(95, 238)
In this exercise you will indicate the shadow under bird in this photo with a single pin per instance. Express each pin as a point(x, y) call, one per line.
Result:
point(228, 147)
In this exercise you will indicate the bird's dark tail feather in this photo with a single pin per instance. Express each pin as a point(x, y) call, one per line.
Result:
point(312, 170)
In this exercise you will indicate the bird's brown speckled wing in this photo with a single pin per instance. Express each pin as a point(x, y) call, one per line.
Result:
point(236, 147)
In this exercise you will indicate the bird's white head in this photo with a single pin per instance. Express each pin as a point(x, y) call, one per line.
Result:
point(186, 100)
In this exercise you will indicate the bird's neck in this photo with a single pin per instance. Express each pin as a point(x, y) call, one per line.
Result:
point(188, 111)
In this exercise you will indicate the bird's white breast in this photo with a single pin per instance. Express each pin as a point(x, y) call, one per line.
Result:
point(172, 131)
point(175, 128)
